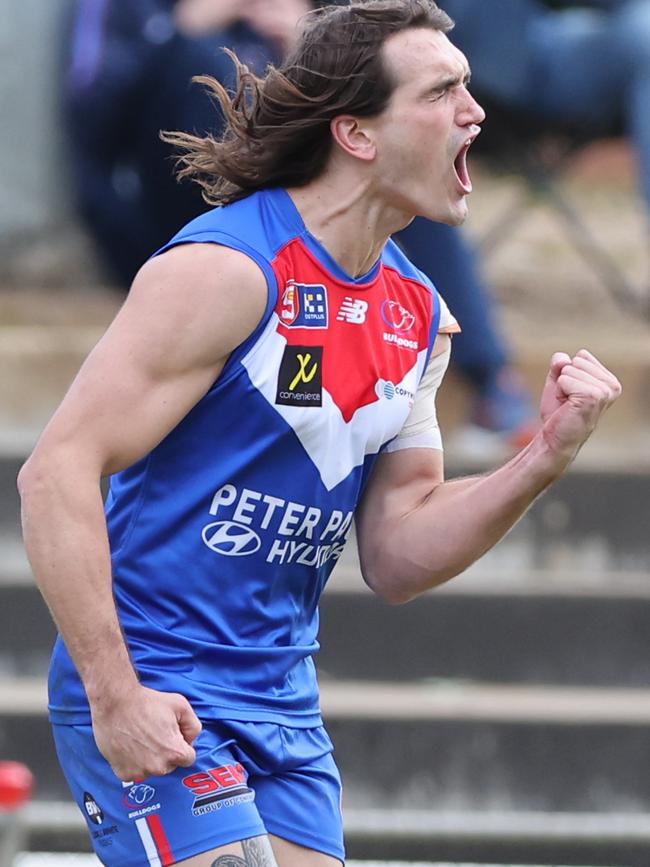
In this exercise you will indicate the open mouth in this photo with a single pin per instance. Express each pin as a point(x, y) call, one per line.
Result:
point(460, 167)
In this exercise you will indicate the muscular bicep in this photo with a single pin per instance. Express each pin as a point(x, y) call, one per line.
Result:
point(400, 483)
point(407, 472)
point(187, 310)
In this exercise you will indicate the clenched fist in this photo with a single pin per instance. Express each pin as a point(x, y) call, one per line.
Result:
point(576, 393)
point(146, 733)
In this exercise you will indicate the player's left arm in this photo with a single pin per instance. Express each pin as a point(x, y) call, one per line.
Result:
point(415, 530)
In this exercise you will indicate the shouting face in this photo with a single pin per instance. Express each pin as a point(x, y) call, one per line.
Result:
point(423, 136)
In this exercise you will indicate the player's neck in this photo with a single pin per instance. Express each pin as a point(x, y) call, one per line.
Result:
point(351, 223)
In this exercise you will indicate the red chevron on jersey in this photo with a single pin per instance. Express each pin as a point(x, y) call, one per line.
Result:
point(372, 336)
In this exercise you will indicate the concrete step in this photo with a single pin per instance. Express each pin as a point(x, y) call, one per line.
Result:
point(495, 837)
point(563, 636)
point(557, 638)
point(71, 859)
point(27, 631)
point(421, 836)
point(53, 859)
point(466, 747)
point(26, 697)
point(588, 523)
point(43, 340)
point(43, 344)
point(448, 746)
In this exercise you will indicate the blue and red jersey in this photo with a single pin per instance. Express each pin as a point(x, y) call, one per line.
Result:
point(224, 535)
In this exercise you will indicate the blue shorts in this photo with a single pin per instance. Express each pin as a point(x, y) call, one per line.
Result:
point(249, 779)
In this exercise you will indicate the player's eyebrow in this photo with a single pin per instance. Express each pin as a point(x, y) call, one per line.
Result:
point(451, 81)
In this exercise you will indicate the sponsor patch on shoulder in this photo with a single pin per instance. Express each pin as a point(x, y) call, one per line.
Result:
point(304, 305)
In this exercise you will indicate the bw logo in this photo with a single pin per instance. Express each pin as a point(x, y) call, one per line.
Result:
point(93, 810)
point(300, 379)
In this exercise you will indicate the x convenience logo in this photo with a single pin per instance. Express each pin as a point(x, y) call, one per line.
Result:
point(300, 380)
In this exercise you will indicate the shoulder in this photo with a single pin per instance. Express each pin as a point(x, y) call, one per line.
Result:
point(202, 260)
point(192, 270)
point(212, 294)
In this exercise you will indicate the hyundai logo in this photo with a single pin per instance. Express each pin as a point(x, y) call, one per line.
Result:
point(231, 539)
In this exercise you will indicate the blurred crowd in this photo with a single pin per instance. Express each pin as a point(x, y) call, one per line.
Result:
point(129, 70)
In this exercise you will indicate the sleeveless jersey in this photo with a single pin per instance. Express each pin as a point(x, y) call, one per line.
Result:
point(224, 535)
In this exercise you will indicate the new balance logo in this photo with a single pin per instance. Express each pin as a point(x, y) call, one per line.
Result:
point(352, 310)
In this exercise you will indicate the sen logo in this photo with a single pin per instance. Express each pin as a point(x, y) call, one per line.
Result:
point(225, 777)
point(217, 786)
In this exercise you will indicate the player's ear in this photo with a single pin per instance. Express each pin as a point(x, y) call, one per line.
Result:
point(351, 135)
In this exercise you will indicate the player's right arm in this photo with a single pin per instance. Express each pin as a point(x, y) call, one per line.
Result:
point(187, 310)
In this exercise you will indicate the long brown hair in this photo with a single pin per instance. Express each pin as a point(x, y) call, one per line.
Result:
point(277, 129)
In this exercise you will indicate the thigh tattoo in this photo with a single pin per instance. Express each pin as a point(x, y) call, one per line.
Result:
point(257, 852)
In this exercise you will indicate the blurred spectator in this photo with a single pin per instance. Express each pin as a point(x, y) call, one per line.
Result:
point(583, 63)
point(130, 68)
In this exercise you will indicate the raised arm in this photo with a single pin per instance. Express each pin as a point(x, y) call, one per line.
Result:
point(416, 531)
point(187, 310)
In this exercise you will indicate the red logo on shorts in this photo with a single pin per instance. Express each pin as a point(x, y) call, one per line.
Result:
point(218, 787)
